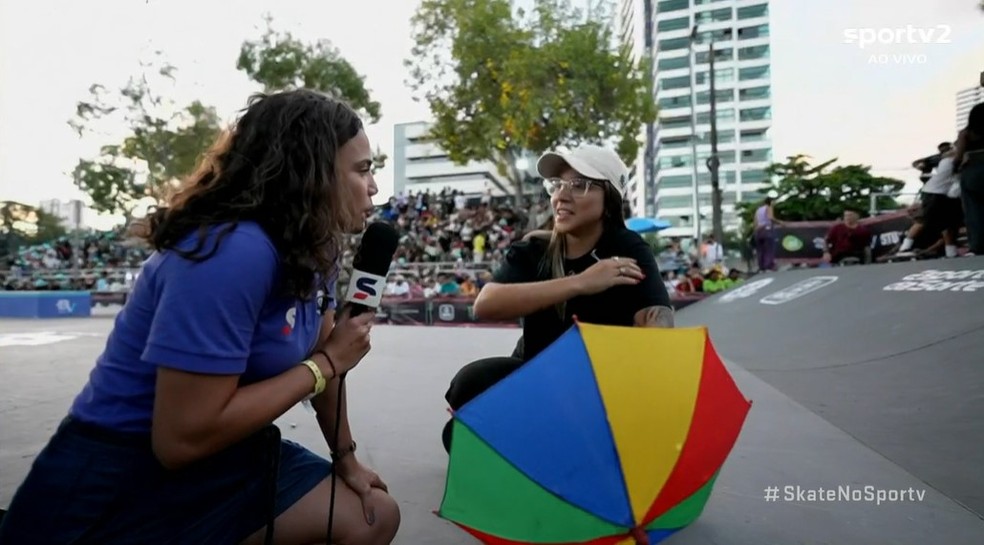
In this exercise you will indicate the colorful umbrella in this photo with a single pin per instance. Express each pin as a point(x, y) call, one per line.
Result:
point(610, 436)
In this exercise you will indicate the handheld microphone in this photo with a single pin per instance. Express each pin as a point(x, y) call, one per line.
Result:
point(370, 267)
point(365, 291)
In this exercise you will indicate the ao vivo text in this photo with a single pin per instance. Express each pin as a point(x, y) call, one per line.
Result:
point(897, 58)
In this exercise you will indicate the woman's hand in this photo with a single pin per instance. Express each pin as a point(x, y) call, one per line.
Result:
point(362, 480)
point(348, 341)
point(615, 271)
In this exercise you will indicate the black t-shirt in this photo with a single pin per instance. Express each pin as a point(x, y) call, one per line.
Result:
point(525, 261)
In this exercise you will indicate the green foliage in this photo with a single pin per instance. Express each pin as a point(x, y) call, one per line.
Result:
point(22, 224)
point(500, 83)
point(732, 240)
point(654, 241)
point(278, 60)
point(163, 142)
point(805, 192)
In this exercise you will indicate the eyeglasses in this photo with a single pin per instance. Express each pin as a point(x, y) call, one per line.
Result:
point(579, 187)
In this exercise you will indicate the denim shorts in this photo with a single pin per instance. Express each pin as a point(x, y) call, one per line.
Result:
point(90, 485)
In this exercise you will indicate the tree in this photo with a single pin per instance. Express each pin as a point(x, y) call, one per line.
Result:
point(277, 60)
point(501, 84)
point(163, 142)
point(805, 192)
point(25, 224)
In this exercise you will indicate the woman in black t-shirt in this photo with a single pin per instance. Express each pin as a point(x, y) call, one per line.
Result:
point(969, 164)
point(589, 266)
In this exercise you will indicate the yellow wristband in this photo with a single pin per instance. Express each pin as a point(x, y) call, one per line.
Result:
point(319, 379)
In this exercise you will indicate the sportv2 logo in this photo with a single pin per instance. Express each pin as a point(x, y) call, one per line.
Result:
point(910, 34)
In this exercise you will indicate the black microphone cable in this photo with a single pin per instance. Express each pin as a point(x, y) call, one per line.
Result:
point(334, 467)
point(370, 266)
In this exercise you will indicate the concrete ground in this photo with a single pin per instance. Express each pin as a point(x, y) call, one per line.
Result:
point(397, 410)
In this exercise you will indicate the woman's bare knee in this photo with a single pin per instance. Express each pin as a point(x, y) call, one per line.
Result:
point(384, 527)
point(387, 516)
point(306, 521)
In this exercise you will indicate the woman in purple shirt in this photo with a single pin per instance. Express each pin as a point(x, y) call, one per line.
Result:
point(765, 236)
point(230, 324)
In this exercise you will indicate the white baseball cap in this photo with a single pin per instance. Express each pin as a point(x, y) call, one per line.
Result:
point(595, 162)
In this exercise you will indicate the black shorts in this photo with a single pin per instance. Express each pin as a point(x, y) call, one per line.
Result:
point(941, 213)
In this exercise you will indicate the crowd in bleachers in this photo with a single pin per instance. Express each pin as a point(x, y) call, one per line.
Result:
point(700, 271)
point(99, 261)
point(449, 226)
point(449, 244)
point(449, 241)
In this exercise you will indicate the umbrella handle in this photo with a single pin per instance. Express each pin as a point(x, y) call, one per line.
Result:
point(639, 534)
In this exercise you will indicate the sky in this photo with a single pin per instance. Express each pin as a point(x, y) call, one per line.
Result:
point(882, 104)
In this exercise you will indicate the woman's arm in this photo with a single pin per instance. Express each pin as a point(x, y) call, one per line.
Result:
point(656, 309)
point(196, 415)
point(497, 301)
point(515, 290)
point(654, 316)
point(200, 338)
point(325, 405)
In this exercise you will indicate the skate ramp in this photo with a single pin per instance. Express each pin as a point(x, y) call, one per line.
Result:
point(891, 354)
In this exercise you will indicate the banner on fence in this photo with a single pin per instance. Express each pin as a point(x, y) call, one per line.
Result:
point(398, 311)
point(458, 311)
point(803, 242)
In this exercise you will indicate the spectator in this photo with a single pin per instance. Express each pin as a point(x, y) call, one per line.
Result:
point(693, 282)
point(848, 239)
point(398, 287)
point(715, 281)
point(734, 279)
point(449, 226)
point(467, 287)
point(711, 252)
point(970, 166)
point(765, 235)
point(448, 286)
point(940, 214)
point(672, 258)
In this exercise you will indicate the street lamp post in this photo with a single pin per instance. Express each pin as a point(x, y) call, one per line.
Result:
point(693, 136)
point(713, 162)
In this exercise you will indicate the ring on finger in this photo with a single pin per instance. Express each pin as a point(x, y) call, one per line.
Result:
point(621, 271)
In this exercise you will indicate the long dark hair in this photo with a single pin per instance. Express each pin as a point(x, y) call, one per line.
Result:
point(275, 167)
point(971, 138)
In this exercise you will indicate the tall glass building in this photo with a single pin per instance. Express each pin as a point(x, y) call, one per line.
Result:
point(739, 32)
point(635, 29)
point(967, 99)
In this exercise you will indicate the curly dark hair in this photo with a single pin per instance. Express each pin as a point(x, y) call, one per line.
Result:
point(275, 167)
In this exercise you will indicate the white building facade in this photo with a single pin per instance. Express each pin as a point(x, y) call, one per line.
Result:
point(420, 165)
point(634, 20)
point(739, 30)
point(72, 214)
point(967, 99)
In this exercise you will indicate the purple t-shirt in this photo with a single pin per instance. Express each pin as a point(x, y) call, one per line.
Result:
point(222, 316)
